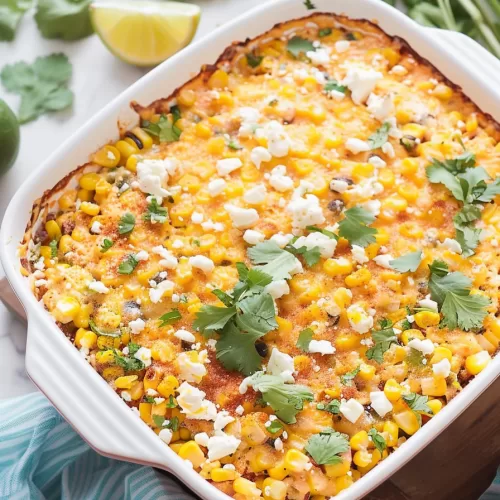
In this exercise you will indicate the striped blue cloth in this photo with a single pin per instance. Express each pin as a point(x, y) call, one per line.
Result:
point(41, 457)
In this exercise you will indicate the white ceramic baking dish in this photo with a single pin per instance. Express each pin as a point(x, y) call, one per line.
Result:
point(57, 368)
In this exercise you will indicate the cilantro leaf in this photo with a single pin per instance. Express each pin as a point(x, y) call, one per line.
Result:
point(353, 226)
point(380, 136)
point(128, 265)
point(11, 13)
point(408, 262)
point(128, 364)
point(452, 293)
point(348, 377)
point(126, 224)
point(170, 317)
point(210, 318)
point(297, 45)
point(106, 245)
point(257, 314)
point(383, 339)
point(377, 439)
point(256, 277)
point(65, 19)
point(468, 238)
point(277, 262)
point(457, 165)
point(305, 337)
point(224, 297)
point(158, 420)
point(133, 348)
point(275, 427)
point(309, 5)
point(53, 68)
point(165, 129)
point(417, 402)
point(171, 402)
point(252, 60)
point(98, 331)
point(311, 256)
point(316, 229)
point(53, 249)
point(324, 32)
point(285, 399)
point(233, 144)
point(155, 212)
point(326, 447)
point(334, 85)
point(332, 406)
point(469, 213)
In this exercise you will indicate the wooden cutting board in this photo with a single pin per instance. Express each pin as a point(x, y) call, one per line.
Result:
point(459, 465)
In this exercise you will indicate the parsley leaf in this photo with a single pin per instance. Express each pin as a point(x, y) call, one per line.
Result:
point(106, 245)
point(348, 377)
point(210, 318)
point(64, 19)
point(353, 226)
point(297, 45)
point(128, 265)
point(252, 60)
point(275, 427)
point(383, 339)
point(380, 136)
point(305, 337)
point(278, 262)
point(98, 331)
point(53, 249)
point(468, 214)
point(170, 317)
point(408, 262)
point(332, 406)
point(285, 399)
point(155, 212)
point(42, 85)
point(309, 5)
point(377, 439)
point(452, 293)
point(417, 402)
point(326, 447)
point(334, 85)
point(11, 13)
point(133, 348)
point(165, 129)
point(126, 224)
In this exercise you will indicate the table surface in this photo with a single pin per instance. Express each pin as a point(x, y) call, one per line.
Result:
point(458, 465)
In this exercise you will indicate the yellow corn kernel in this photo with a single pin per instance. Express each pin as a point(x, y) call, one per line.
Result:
point(343, 482)
point(443, 92)
point(411, 230)
point(131, 163)
point(186, 97)
point(476, 363)
point(53, 230)
point(184, 433)
point(359, 441)
point(347, 341)
point(362, 170)
point(219, 475)
point(433, 386)
point(261, 461)
point(125, 382)
point(371, 250)
point(403, 115)
point(168, 386)
point(362, 458)
point(79, 335)
point(407, 421)
point(285, 326)
point(392, 56)
point(471, 124)
point(394, 203)
point(296, 461)
point(191, 451)
point(108, 156)
point(358, 278)
point(417, 131)
point(399, 354)
point(274, 489)
point(392, 390)
point(333, 141)
point(103, 187)
point(218, 80)
point(90, 208)
point(439, 354)
point(112, 372)
point(279, 471)
point(216, 145)
point(427, 85)
point(245, 487)
point(145, 412)
point(89, 181)
point(66, 309)
point(435, 405)
point(337, 470)
point(67, 199)
point(203, 130)
point(126, 150)
point(337, 267)
point(391, 431)
point(376, 456)
point(409, 192)
point(413, 333)
point(386, 177)
point(84, 195)
point(366, 372)
point(425, 319)
point(143, 136)
point(342, 297)
point(382, 237)
point(105, 357)
point(137, 390)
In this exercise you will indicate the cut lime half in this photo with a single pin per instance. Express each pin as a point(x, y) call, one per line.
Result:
point(9, 136)
point(144, 33)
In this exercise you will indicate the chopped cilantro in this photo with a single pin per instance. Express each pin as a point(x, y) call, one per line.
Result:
point(317, 229)
point(326, 447)
point(252, 60)
point(380, 136)
point(106, 245)
point(309, 5)
point(311, 256)
point(106, 333)
point(324, 32)
point(332, 406)
point(129, 364)
point(233, 144)
point(128, 264)
point(334, 85)
point(155, 212)
point(277, 262)
point(210, 318)
point(408, 262)
point(158, 420)
point(53, 249)
point(348, 377)
point(305, 337)
point(353, 226)
point(298, 45)
point(126, 224)
point(377, 439)
point(133, 348)
point(170, 317)
point(275, 427)
point(171, 402)
point(383, 339)
point(165, 129)
point(417, 402)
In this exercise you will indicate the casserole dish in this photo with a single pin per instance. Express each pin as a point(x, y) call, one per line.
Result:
point(44, 357)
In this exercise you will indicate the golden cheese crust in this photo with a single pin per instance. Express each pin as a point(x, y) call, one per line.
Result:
point(324, 143)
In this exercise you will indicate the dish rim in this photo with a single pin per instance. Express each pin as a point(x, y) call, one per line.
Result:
point(38, 319)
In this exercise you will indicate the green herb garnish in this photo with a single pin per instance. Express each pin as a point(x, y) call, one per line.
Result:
point(126, 224)
point(383, 339)
point(106, 245)
point(408, 262)
point(253, 60)
point(354, 226)
point(348, 377)
point(380, 136)
point(297, 45)
point(53, 249)
point(155, 212)
point(305, 337)
point(377, 439)
point(326, 447)
point(332, 406)
point(170, 317)
point(128, 265)
point(165, 129)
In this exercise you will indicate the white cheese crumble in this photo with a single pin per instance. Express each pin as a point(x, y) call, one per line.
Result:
point(277, 289)
point(342, 46)
point(201, 438)
point(193, 403)
point(381, 107)
point(216, 187)
point(279, 180)
point(305, 211)
point(239, 410)
point(151, 174)
point(98, 286)
point(442, 367)
point(380, 403)
point(258, 155)
point(185, 335)
point(137, 325)
point(361, 83)
point(167, 258)
point(196, 217)
point(281, 239)
point(377, 162)
point(242, 218)
point(325, 244)
point(253, 237)
point(142, 255)
point(281, 364)
point(228, 165)
point(339, 186)
point(383, 260)
point(319, 57)
point(256, 194)
point(96, 227)
point(221, 446)
point(359, 319)
point(201, 262)
point(156, 293)
point(452, 245)
point(321, 347)
point(144, 354)
point(428, 303)
point(278, 142)
point(165, 435)
point(424, 346)
point(249, 119)
point(356, 146)
point(192, 371)
point(359, 254)
point(223, 418)
point(351, 410)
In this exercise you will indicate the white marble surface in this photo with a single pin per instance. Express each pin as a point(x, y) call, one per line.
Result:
point(97, 78)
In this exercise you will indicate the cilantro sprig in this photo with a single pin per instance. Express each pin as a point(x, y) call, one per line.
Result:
point(253, 60)
point(305, 337)
point(106, 245)
point(380, 136)
point(126, 224)
point(354, 226)
point(348, 377)
point(298, 45)
point(377, 439)
point(165, 129)
point(128, 264)
point(274, 261)
point(170, 317)
point(155, 213)
point(332, 406)
point(407, 263)
point(326, 447)
point(383, 339)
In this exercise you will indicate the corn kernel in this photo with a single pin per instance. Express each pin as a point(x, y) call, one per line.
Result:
point(392, 390)
point(412, 333)
point(343, 482)
point(125, 382)
point(218, 80)
point(391, 431)
point(337, 470)
point(359, 441)
point(337, 267)
point(143, 136)
point(425, 319)
point(439, 354)
point(274, 489)
point(471, 124)
point(407, 421)
point(358, 278)
point(108, 156)
point(219, 475)
point(278, 472)
point(296, 461)
point(66, 309)
point(67, 199)
point(191, 451)
point(186, 97)
point(442, 92)
point(168, 386)
point(53, 230)
point(89, 181)
point(362, 458)
point(476, 363)
point(366, 372)
point(435, 405)
point(90, 208)
point(433, 386)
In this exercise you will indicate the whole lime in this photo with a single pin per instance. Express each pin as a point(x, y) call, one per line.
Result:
point(9, 136)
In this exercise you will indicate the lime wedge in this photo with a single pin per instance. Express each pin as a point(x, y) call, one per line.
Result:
point(144, 33)
point(9, 136)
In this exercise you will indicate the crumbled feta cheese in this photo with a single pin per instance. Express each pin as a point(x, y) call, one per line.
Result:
point(380, 403)
point(398, 70)
point(427, 303)
point(185, 335)
point(156, 294)
point(424, 346)
point(321, 347)
point(278, 142)
point(253, 237)
point(221, 446)
point(259, 155)
point(452, 245)
point(342, 46)
point(306, 211)
point(442, 368)
point(216, 187)
point(137, 325)
point(228, 165)
point(277, 289)
point(281, 239)
point(167, 258)
point(359, 319)
point(279, 180)
point(255, 195)
point(339, 186)
point(377, 162)
point(242, 218)
point(361, 83)
point(359, 254)
point(356, 146)
point(191, 365)
point(281, 364)
point(388, 149)
point(351, 410)
point(96, 227)
point(201, 438)
point(383, 260)
point(249, 119)
point(381, 107)
point(209, 225)
point(40, 282)
point(193, 403)
point(144, 354)
point(325, 244)
point(142, 255)
point(196, 217)
point(239, 410)
point(223, 418)
point(151, 174)
point(126, 396)
point(98, 286)
point(278, 446)
point(318, 57)
point(201, 262)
